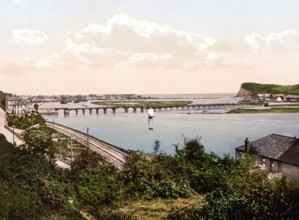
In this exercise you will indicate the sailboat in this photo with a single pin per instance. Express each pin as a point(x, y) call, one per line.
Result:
point(150, 113)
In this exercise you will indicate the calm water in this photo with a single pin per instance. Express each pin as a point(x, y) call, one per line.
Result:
point(219, 133)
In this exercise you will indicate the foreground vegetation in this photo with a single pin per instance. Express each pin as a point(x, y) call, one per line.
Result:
point(191, 184)
point(144, 104)
point(2, 99)
point(269, 110)
point(31, 187)
point(24, 121)
point(256, 88)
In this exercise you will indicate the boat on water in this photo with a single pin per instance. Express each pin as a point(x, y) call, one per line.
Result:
point(150, 113)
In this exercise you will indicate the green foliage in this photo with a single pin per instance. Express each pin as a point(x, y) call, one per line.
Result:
point(157, 147)
point(94, 182)
point(256, 88)
point(24, 121)
point(95, 188)
point(250, 195)
point(109, 213)
point(270, 200)
point(2, 99)
point(148, 177)
point(38, 141)
point(30, 186)
point(206, 172)
point(270, 110)
point(87, 160)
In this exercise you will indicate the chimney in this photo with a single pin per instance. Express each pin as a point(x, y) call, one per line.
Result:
point(246, 145)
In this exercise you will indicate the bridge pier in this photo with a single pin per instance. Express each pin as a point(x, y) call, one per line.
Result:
point(113, 110)
point(66, 111)
point(83, 110)
point(126, 110)
point(90, 111)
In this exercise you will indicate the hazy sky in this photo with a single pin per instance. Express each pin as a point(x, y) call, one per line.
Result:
point(146, 46)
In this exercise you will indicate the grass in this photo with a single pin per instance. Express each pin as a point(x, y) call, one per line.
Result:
point(160, 208)
point(270, 110)
point(143, 104)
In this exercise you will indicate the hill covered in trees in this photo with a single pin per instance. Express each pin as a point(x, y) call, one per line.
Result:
point(252, 89)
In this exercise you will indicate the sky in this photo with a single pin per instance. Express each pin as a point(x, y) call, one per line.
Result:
point(146, 46)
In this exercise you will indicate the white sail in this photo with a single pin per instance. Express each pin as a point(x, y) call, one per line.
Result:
point(150, 112)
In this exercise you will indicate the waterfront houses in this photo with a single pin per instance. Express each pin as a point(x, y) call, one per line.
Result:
point(292, 98)
point(16, 104)
point(278, 154)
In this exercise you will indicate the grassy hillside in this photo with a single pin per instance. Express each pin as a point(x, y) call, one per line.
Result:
point(256, 88)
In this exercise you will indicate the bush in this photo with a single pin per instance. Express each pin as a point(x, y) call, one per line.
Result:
point(24, 121)
point(30, 186)
point(147, 177)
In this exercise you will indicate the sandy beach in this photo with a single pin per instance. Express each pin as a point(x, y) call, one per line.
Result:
point(8, 134)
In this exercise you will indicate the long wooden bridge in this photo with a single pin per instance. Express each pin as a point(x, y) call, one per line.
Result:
point(67, 110)
point(115, 155)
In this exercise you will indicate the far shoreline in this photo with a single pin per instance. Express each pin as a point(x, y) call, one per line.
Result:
point(276, 110)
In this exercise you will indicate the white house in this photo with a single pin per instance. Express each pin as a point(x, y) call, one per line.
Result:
point(15, 105)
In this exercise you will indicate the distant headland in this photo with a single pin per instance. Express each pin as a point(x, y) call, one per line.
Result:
point(250, 89)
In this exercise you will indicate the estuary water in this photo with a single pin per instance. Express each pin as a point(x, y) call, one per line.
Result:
point(219, 133)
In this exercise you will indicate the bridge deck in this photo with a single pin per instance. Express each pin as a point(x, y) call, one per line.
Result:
point(110, 153)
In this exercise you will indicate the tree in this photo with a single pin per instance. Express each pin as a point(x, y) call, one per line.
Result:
point(86, 160)
point(157, 146)
point(31, 187)
point(38, 142)
point(94, 181)
point(149, 177)
point(36, 107)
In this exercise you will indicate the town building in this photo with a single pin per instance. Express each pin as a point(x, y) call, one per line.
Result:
point(15, 105)
point(277, 154)
point(292, 98)
point(270, 97)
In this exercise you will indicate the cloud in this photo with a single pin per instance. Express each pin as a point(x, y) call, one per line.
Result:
point(137, 57)
point(20, 3)
point(29, 36)
point(127, 41)
point(282, 39)
point(130, 35)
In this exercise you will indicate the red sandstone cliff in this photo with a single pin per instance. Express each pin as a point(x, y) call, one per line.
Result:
point(244, 93)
